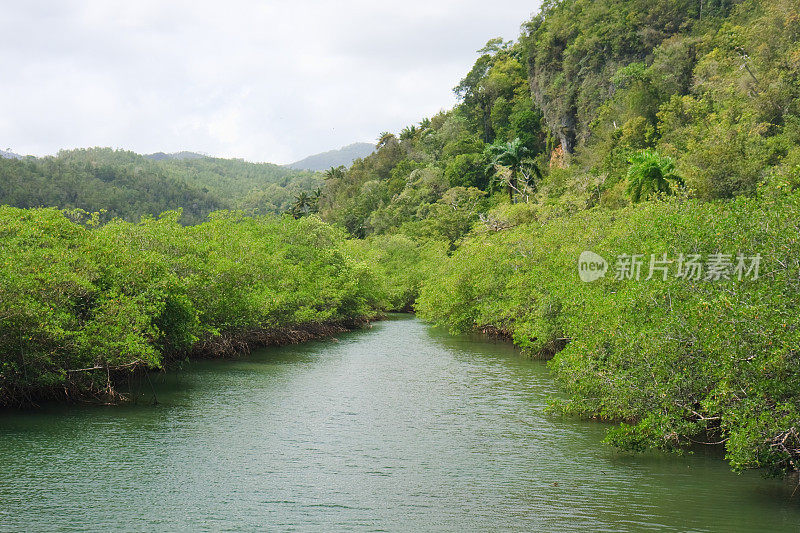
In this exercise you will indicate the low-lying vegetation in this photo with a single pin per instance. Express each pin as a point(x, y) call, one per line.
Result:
point(710, 356)
point(79, 304)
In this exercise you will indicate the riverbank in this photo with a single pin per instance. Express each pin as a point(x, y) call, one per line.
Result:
point(84, 307)
point(234, 344)
point(226, 346)
point(710, 357)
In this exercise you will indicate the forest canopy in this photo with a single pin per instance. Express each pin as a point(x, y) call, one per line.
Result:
point(127, 185)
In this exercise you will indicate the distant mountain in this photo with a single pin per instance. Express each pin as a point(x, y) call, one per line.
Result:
point(333, 158)
point(179, 156)
point(9, 155)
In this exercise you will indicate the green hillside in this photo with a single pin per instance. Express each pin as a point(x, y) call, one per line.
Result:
point(128, 185)
point(123, 184)
point(253, 187)
point(654, 129)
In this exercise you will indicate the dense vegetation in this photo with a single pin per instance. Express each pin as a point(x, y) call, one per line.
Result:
point(127, 185)
point(615, 126)
point(680, 360)
point(76, 180)
point(621, 127)
point(252, 187)
point(78, 303)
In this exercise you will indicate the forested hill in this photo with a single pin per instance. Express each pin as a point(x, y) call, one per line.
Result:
point(160, 156)
point(648, 127)
point(128, 185)
point(252, 187)
point(710, 88)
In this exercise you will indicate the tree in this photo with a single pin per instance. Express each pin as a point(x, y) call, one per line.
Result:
point(470, 90)
point(384, 139)
point(335, 172)
point(408, 133)
point(650, 173)
point(467, 170)
point(512, 155)
point(303, 205)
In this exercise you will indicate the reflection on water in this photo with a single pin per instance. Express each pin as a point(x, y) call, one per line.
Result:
point(401, 427)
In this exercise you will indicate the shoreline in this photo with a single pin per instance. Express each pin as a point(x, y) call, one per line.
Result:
point(228, 345)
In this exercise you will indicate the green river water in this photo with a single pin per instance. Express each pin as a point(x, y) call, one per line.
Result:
point(400, 427)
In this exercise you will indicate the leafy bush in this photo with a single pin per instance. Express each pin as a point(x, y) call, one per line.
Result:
point(401, 262)
point(650, 173)
point(678, 361)
point(77, 304)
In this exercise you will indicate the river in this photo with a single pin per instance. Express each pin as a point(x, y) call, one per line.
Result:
point(400, 427)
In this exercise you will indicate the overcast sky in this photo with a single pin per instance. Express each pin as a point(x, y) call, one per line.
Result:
point(262, 80)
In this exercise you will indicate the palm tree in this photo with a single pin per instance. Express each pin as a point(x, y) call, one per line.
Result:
point(650, 173)
point(316, 196)
point(384, 139)
point(335, 172)
point(408, 133)
point(513, 155)
point(302, 205)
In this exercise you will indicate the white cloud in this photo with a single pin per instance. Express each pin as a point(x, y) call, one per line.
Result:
point(262, 80)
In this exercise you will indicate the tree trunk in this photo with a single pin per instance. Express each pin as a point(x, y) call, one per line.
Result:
point(512, 182)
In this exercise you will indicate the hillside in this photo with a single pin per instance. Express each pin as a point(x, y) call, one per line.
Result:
point(334, 158)
point(122, 184)
point(631, 128)
point(262, 187)
point(128, 185)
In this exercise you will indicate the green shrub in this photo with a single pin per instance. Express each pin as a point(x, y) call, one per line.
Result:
point(677, 361)
point(77, 304)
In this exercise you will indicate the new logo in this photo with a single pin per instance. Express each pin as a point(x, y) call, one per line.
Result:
point(591, 266)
